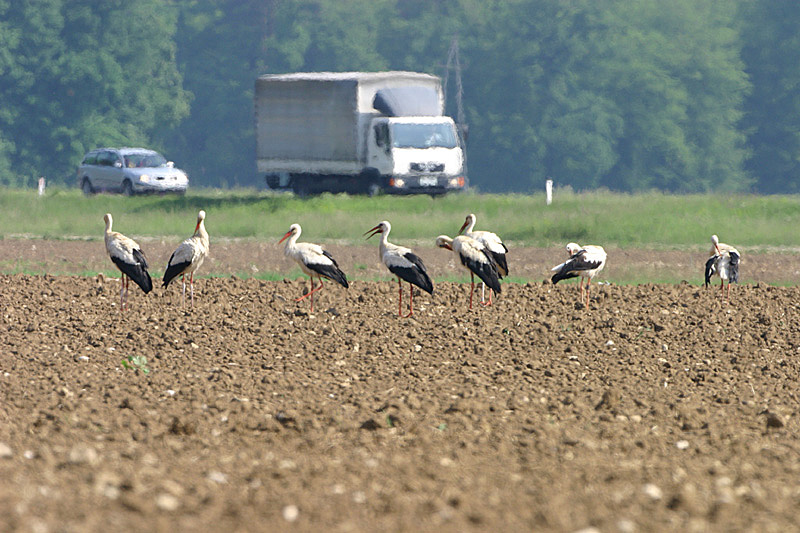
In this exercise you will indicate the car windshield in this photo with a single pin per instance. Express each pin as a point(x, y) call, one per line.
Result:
point(440, 135)
point(145, 160)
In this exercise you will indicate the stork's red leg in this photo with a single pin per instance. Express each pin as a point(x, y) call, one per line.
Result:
point(472, 288)
point(483, 301)
point(183, 292)
point(400, 302)
point(121, 293)
point(410, 300)
point(311, 292)
point(191, 287)
point(127, 280)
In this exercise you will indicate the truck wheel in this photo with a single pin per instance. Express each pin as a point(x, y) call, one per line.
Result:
point(86, 187)
point(373, 189)
point(300, 187)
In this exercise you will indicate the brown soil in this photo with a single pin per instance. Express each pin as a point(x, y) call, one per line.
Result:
point(657, 409)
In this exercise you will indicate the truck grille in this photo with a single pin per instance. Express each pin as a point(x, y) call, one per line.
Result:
point(427, 167)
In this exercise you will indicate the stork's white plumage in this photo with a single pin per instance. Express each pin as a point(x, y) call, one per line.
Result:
point(724, 262)
point(188, 257)
point(129, 258)
point(313, 261)
point(475, 258)
point(494, 246)
point(584, 261)
point(404, 264)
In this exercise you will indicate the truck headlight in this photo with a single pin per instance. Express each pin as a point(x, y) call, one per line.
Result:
point(456, 182)
point(144, 178)
point(397, 182)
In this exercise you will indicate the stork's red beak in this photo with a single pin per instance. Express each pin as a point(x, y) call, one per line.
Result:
point(285, 236)
point(717, 247)
point(466, 223)
point(374, 231)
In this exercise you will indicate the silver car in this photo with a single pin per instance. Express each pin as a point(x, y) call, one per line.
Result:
point(129, 171)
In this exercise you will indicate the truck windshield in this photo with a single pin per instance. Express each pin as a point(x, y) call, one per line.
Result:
point(406, 135)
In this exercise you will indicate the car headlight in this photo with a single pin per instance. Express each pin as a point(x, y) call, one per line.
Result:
point(144, 178)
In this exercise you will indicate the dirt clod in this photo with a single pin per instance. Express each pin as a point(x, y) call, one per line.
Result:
point(527, 415)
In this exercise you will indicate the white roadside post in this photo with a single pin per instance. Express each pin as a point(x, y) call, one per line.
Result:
point(42, 185)
point(548, 190)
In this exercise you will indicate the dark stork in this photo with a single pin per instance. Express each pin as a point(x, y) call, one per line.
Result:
point(130, 260)
point(493, 244)
point(313, 261)
point(724, 262)
point(404, 264)
point(584, 261)
point(188, 257)
point(475, 258)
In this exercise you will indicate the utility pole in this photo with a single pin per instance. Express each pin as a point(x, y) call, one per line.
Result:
point(454, 64)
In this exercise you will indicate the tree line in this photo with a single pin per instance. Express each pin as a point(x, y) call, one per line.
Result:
point(679, 96)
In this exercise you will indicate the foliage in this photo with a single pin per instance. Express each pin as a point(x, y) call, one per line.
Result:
point(136, 362)
point(80, 74)
point(678, 96)
point(772, 55)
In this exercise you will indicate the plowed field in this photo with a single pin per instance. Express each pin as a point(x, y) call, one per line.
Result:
point(657, 409)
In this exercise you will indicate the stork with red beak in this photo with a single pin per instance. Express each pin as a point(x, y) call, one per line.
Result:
point(584, 261)
point(188, 257)
point(475, 258)
point(724, 262)
point(404, 264)
point(129, 258)
point(313, 261)
point(494, 246)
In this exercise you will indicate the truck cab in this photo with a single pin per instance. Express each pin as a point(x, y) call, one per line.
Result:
point(413, 155)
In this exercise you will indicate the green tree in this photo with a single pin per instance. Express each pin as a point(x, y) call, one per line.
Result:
point(772, 54)
point(80, 74)
point(609, 93)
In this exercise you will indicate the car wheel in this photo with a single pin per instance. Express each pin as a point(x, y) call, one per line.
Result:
point(86, 187)
point(127, 188)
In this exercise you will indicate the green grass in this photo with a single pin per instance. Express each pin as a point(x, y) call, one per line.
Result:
point(651, 220)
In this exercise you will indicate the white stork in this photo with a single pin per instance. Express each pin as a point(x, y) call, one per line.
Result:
point(188, 257)
point(313, 261)
point(584, 261)
point(475, 258)
point(404, 264)
point(724, 262)
point(493, 245)
point(130, 260)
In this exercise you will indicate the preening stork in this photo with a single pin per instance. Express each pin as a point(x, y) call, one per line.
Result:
point(313, 261)
point(494, 247)
point(724, 262)
point(475, 258)
point(188, 257)
point(130, 260)
point(404, 264)
point(584, 261)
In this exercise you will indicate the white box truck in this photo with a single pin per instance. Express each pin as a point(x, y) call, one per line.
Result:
point(356, 132)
